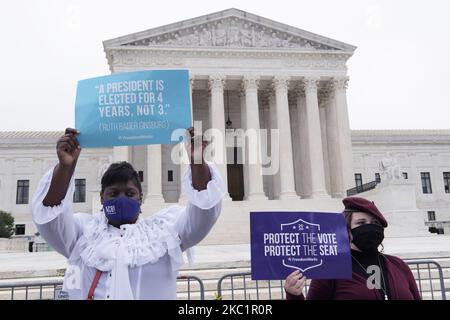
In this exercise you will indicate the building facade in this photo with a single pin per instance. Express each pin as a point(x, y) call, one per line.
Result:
point(246, 72)
point(259, 74)
point(424, 160)
point(423, 156)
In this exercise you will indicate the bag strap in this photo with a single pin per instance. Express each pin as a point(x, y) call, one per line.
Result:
point(94, 285)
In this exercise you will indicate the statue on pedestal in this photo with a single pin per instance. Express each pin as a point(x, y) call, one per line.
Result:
point(389, 168)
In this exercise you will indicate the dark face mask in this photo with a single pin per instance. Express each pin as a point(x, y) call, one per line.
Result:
point(368, 237)
point(121, 210)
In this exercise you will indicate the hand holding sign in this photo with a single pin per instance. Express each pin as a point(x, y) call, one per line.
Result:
point(195, 145)
point(68, 149)
point(315, 243)
point(295, 282)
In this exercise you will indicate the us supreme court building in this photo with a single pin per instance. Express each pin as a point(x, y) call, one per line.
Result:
point(246, 72)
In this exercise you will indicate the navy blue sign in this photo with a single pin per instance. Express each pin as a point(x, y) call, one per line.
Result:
point(316, 243)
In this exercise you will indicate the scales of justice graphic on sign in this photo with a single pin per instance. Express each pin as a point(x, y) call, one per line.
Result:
point(315, 243)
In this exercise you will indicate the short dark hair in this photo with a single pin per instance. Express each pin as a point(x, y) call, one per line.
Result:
point(120, 172)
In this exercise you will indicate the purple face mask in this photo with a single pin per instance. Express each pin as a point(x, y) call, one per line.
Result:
point(121, 210)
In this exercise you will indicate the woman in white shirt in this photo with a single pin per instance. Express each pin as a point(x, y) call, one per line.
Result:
point(116, 254)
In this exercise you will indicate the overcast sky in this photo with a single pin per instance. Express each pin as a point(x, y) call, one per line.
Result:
point(399, 74)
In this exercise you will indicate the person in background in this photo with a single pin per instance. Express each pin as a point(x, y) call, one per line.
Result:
point(375, 276)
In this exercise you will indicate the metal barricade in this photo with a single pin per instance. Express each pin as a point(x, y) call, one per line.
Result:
point(235, 286)
point(428, 274)
point(188, 288)
point(30, 290)
point(240, 286)
point(429, 278)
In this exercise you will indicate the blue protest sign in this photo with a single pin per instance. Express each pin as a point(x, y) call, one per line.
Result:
point(316, 243)
point(133, 108)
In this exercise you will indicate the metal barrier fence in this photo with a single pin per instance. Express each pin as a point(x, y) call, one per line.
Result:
point(188, 280)
point(237, 286)
point(26, 290)
point(428, 274)
point(240, 286)
point(429, 278)
point(190, 288)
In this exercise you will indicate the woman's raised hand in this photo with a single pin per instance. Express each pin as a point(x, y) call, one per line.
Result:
point(68, 148)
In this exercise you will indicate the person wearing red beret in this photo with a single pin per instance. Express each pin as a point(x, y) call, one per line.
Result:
point(394, 280)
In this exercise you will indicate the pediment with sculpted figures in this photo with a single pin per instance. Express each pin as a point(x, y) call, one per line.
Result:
point(233, 33)
point(231, 28)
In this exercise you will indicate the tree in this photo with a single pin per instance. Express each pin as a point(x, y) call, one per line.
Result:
point(6, 224)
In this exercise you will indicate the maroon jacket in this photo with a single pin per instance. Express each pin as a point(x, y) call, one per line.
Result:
point(402, 286)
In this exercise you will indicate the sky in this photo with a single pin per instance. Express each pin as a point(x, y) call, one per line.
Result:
point(399, 74)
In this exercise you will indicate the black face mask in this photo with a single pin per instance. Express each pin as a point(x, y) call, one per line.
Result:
point(368, 237)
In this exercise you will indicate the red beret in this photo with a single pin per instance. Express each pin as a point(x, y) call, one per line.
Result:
point(364, 205)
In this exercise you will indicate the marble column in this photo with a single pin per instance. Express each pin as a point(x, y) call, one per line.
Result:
point(255, 186)
point(154, 174)
point(287, 184)
point(273, 125)
point(217, 115)
point(266, 124)
point(316, 164)
point(344, 133)
point(339, 140)
point(184, 167)
point(295, 132)
point(244, 127)
point(305, 174)
point(334, 160)
point(323, 102)
point(184, 161)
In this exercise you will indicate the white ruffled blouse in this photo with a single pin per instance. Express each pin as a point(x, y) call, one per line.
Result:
point(138, 261)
